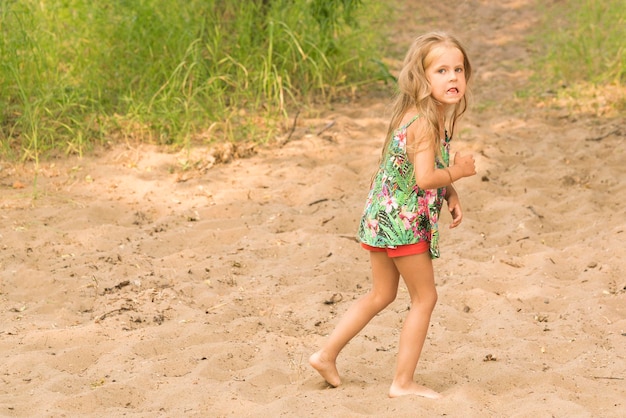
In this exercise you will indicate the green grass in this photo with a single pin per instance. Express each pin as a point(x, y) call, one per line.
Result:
point(78, 73)
point(588, 44)
point(582, 49)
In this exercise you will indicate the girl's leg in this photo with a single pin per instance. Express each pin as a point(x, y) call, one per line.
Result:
point(417, 272)
point(385, 278)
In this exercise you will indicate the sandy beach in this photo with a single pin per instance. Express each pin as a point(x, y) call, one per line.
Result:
point(131, 287)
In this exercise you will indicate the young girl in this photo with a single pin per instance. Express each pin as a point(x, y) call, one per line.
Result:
point(399, 224)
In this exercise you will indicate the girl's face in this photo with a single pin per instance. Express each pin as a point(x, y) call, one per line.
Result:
point(446, 74)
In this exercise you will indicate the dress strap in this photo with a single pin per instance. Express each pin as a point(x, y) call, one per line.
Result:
point(406, 125)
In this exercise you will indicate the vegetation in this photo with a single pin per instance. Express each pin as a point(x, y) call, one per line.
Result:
point(76, 73)
point(584, 51)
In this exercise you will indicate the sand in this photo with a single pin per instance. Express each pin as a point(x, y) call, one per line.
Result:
point(132, 287)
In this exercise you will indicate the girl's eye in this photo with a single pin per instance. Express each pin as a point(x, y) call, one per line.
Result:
point(441, 71)
point(459, 70)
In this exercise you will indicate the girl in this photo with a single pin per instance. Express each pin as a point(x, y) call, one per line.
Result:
point(399, 224)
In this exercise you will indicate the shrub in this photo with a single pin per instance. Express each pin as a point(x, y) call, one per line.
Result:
point(76, 73)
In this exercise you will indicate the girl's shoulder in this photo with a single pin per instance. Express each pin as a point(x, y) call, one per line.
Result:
point(408, 119)
point(417, 136)
point(414, 124)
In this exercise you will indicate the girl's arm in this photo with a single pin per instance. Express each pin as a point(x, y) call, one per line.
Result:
point(426, 175)
point(454, 206)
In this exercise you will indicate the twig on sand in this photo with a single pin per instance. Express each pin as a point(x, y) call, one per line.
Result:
point(214, 307)
point(293, 128)
point(601, 137)
point(318, 201)
point(327, 127)
point(534, 212)
point(350, 237)
point(119, 310)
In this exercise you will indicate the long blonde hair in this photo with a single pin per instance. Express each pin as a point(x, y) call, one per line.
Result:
point(414, 89)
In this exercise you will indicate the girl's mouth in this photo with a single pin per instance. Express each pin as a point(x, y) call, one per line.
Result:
point(453, 90)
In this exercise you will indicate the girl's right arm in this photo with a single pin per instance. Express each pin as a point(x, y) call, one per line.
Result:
point(464, 166)
point(427, 177)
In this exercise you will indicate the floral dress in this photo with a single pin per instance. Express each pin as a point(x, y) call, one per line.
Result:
point(397, 211)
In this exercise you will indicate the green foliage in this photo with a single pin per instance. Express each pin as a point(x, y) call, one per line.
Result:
point(77, 72)
point(583, 41)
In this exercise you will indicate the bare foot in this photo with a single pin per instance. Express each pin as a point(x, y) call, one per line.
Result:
point(326, 368)
point(413, 389)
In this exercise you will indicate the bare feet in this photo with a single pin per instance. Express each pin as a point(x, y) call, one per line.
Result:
point(412, 389)
point(326, 368)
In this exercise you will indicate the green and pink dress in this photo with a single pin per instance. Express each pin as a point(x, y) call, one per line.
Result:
point(397, 211)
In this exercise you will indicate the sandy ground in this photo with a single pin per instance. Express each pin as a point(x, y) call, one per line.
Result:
point(129, 287)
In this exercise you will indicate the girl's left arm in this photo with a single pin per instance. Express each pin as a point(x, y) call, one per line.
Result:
point(454, 206)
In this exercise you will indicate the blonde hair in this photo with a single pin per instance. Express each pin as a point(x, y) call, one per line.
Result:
point(414, 89)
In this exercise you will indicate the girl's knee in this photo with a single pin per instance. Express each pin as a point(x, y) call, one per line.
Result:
point(434, 297)
point(381, 300)
point(426, 301)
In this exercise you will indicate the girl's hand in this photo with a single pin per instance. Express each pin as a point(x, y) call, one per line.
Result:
point(454, 206)
point(466, 163)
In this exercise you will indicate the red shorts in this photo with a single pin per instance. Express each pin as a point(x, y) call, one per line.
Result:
point(401, 250)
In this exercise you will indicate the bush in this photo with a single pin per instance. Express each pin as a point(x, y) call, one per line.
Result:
point(583, 41)
point(76, 73)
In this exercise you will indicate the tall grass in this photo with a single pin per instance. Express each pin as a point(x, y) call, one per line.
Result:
point(583, 45)
point(75, 73)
